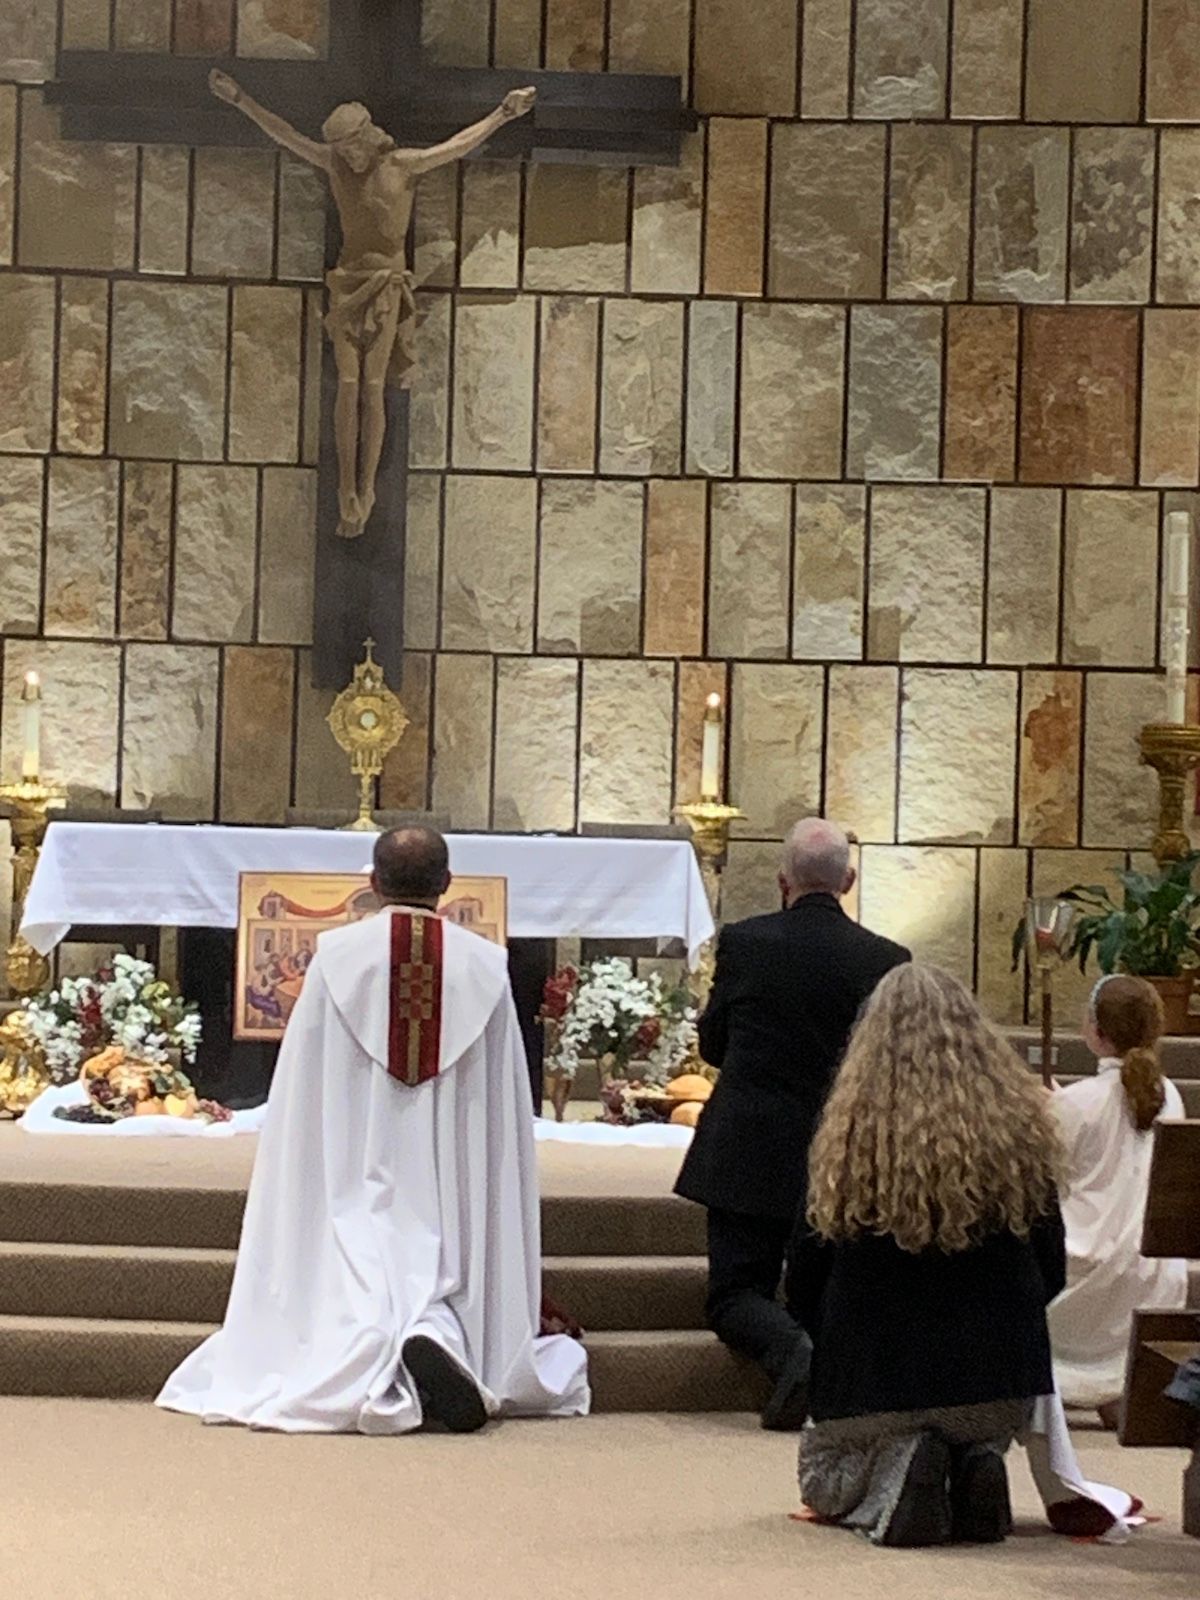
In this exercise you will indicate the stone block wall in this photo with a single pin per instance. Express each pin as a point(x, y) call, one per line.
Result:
point(867, 415)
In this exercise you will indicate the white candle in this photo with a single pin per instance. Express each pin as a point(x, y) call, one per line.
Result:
point(710, 761)
point(31, 726)
point(1175, 613)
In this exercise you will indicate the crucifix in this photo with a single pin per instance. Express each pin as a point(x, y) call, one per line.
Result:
point(375, 78)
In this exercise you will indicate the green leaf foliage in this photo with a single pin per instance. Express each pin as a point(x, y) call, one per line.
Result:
point(1150, 929)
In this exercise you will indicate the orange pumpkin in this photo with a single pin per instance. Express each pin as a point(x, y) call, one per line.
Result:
point(687, 1115)
point(691, 1086)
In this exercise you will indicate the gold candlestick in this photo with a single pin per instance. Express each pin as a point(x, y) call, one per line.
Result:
point(1173, 750)
point(27, 805)
point(710, 822)
point(368, 721)
point(1047, 944)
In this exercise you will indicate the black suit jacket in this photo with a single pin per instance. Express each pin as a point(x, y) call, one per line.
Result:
point(784, 998)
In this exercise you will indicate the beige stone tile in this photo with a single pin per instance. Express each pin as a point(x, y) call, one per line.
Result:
point(830, 532)
point(1112, 214)
point(26, 361)
point(324, 781)
point(142, 25)
point(641, 397)
point(491, 225)
point(894, 420)
point(749, 557)
point(1002, 878)
point(676, 541)
point(537, 721)
point(80, 714)
point(827, 230)
point(1023, 563)
point(1053, 872)
point(1120, 796)
point(518, 33)
point(292, 29)
point(435, 228)
point(27, 38)
point(169, 732)
point(986, 58)
point(745, 57)
point(916, 531)
point(168, 370)
point(575, 35)
point(1051, 728)
point(1106, 623)
point(77, 199)
point(735, 205)
point(257, 708)
point(21, 491)
point(625, 741)
point(82, 366)
point(1084, 61)
point(86, 25)
point(860, 751)
point(233, 213)
point(900, 56)
point(1173, 62)
point(163, 209)
point(958, 757)
point(1073, 432)
point(711, 387)
point(667, 215)
point(462, 739)
point(825, 58)
point(1021, 194)
point(980, 438)
point(590, 600)
point(929, 212)
point(1178, 276)
point(81, 548)
point(569, 352)
point(654, 38)
point(429, 407)
point(288, 555)
point(924, 897)
point(302, 195)
point(146, 520)
point(215, 521)
point(264, 379)
point(493, 381)
point(8, 170)
point(793, 371)
point(490, 563)
point(203, 27)
point(695, 681)
point(750, 882)
point(1170, 451)
point(404, 785)
point(576, 227)
point(422, 561)
point(776, 738)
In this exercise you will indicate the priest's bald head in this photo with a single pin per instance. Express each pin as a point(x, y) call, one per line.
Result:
point(412, 867)
point(816, 860)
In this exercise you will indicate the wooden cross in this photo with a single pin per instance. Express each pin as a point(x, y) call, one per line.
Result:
point(376, 56)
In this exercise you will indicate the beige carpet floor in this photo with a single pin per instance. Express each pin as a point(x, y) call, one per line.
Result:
point(106, 1501)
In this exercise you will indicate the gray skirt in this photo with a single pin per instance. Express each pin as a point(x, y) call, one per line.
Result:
point(852, 1471)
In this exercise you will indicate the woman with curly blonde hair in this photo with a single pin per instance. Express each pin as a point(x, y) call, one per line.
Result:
point(933, 1246)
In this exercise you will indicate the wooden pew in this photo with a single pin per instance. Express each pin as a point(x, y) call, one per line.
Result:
point(1162, 1340)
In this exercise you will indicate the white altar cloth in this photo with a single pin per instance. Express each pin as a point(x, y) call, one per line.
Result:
point(170, 875)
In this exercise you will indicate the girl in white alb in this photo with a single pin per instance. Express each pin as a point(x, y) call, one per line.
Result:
point(1107, 1124)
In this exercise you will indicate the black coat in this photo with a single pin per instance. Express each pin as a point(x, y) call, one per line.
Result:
point(893, 1331)
point(785, 994)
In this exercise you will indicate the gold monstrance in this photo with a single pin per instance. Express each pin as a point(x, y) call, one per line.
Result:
point(368, 721)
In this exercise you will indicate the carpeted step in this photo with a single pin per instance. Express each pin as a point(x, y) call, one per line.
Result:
point(75, 1356)
point(621, 1292)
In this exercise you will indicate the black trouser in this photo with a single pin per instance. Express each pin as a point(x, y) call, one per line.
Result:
point(746, 1259)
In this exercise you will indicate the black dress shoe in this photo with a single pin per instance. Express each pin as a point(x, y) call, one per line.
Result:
point(787, 1409)
point(448, 1393)
point(980, 1507)
point(922, 1513)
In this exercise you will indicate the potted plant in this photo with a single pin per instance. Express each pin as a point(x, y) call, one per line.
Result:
point(1152, 932)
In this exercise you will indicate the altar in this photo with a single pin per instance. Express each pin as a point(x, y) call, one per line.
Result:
point(97, 875)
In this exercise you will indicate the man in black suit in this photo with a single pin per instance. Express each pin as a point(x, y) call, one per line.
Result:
point(785, 995)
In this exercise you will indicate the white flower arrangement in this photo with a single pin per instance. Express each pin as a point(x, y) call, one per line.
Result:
point(123, 1005)
point(604, 1012)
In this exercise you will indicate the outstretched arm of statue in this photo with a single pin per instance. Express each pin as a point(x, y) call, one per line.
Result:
point(517, 103)
point(224, 87)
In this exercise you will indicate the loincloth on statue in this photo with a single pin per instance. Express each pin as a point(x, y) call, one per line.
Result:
point(361, 302)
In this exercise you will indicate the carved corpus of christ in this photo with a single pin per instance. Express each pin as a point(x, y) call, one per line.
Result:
point(372, 312)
